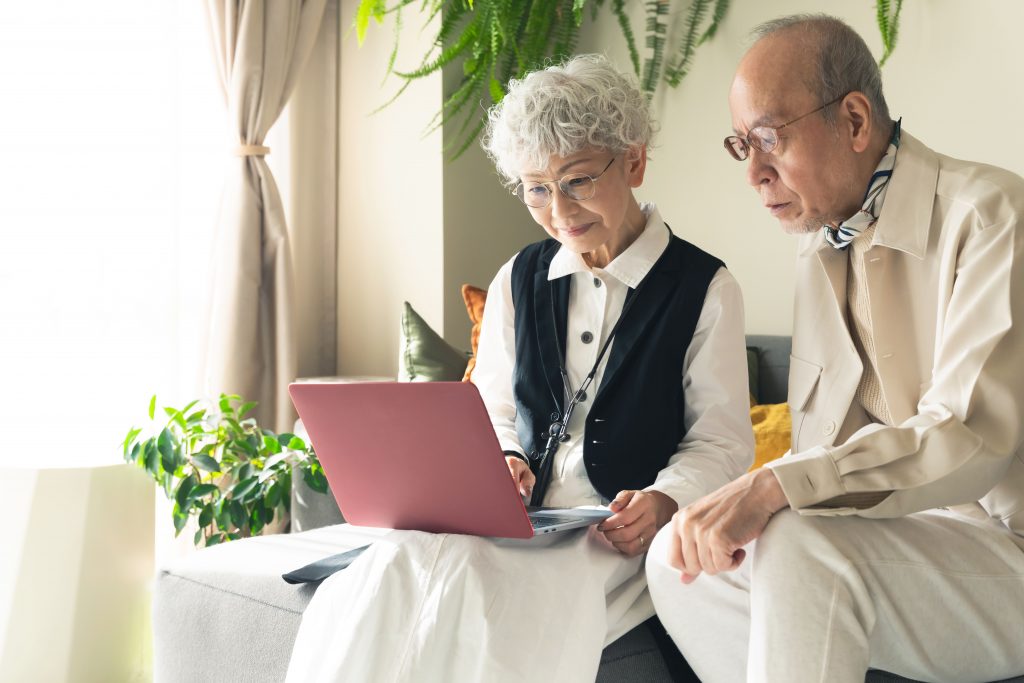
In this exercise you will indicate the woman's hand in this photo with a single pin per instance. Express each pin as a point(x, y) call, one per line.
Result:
point(638, 516)
point(521, 474)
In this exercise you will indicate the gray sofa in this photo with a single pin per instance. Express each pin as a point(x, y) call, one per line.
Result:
point(225, 614)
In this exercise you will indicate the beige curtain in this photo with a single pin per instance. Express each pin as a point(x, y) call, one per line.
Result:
point(260, 47)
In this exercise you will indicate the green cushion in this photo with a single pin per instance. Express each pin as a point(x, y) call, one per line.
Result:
point(753, 373)
point(424, 356)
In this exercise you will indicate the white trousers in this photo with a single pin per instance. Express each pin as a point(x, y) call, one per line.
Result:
point(934, 596)
point(425, 608)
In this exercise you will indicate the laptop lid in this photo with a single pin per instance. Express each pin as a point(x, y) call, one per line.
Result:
point(419, 455)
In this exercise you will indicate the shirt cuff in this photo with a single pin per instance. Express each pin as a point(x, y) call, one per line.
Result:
point(808, 478)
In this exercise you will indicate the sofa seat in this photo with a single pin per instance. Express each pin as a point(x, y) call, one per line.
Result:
point(224, 613)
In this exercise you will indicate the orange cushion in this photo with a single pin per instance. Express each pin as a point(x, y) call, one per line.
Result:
point(772, 432)
point(475, 299)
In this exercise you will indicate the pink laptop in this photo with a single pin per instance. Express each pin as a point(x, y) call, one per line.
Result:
point(420, 456)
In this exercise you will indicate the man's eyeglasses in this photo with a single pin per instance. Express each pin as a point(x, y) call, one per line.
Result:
point(764, 138)
point(576, 186)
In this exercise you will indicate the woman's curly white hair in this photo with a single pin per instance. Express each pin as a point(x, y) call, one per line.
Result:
point(582, 103)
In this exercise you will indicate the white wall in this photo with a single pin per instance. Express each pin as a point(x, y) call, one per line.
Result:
point(390, 220)
point(955, 78)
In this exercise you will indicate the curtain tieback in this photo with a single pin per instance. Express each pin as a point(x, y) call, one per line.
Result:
point(252, 151)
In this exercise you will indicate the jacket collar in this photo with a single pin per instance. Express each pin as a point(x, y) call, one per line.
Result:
point(906, 216)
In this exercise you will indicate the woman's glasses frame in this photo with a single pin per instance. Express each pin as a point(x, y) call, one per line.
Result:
point(565, 186)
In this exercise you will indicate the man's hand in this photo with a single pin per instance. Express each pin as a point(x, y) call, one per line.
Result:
point(638, 516)
point(521, 474)
point(710, 533)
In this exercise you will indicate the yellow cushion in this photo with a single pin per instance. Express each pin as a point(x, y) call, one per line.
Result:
point(772, 432)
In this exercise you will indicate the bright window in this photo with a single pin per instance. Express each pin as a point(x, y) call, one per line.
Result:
point(112, 150)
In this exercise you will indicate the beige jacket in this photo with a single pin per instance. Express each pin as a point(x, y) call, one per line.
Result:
point(945, 278)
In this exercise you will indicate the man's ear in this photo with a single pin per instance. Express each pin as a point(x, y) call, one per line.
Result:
point(636, 164)
point(855, 117)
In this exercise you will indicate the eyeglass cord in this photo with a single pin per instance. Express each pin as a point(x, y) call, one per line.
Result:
point(556, 432)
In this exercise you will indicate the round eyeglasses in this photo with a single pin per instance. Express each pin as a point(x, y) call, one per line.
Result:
point(576, 186)
point(764, 138)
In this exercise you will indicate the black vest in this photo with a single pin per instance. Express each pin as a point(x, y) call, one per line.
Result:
point(636, 420)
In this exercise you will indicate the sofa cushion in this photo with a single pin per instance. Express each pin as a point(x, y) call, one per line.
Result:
point(475, 298)
point(224, 613)
point(772, 432)
point(423, 355)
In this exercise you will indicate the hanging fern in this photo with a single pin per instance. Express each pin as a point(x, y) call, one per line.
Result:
point(494, 41)
point(657, 29)
point(888, 26)
point(677, 70)
point(619, 9)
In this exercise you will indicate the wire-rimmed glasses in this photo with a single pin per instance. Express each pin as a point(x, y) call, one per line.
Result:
point(576, 186)
point(764, 138)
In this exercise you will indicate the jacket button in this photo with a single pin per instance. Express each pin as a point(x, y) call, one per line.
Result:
point(554, 417)
point(586, 337)
point(828, 427)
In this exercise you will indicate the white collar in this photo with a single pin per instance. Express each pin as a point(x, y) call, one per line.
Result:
point(631, 266)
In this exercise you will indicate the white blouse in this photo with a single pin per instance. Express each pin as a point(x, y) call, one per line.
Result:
point(718, 445)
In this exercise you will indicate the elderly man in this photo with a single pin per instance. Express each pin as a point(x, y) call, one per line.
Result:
point(892, 536)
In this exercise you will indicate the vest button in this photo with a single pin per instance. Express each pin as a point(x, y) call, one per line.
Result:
point(554, 417)
point(828, 427)
point(586, 337)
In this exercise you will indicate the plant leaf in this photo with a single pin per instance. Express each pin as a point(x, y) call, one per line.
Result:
point(205, 462)
point(273, 495)
point(129, 438)
point(206, 515)
point(202, 490)
point(243, 488)
point(152, 407)
point(314, 478)
point(271, 444)
point(181, 495)
point(238, 516)
point(256, 519)
point(166, 448)
point(180, 518)
point(152, 458)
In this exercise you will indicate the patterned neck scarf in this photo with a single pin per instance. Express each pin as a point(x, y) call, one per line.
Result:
point(840, 236)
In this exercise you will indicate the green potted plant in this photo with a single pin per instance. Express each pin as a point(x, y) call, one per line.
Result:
point(221, 468)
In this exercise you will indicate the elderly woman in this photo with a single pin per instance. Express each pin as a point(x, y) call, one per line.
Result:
point(612, 364)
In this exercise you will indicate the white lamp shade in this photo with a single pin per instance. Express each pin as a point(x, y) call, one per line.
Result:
point(76, 568)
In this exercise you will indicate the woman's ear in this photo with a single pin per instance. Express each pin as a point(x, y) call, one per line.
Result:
point(636, 165)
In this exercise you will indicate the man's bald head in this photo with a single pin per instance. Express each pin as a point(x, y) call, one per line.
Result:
point(828, 57)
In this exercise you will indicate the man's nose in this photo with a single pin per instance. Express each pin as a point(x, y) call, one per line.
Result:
point(759, 168)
